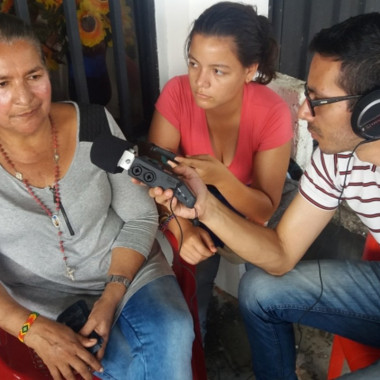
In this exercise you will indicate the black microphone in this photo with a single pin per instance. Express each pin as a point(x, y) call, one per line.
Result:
point(106, 151)
point(113, 155)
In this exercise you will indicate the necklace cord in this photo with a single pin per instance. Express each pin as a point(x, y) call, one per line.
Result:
point(69, 272)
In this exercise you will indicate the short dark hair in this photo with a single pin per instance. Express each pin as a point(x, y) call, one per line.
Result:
point(252, 34)
point(356, 43)
point(13, 28)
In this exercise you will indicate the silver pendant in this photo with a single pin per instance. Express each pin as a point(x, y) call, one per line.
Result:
point(55, 221)
point(70, 273)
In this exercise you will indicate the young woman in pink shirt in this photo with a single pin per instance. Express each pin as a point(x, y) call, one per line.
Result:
point(225, 123)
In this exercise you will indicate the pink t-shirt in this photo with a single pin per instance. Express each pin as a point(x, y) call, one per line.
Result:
point(265, 123)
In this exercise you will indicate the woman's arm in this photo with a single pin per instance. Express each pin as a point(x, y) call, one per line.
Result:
point(259, 201)
point(12, 315)
point(131, 246)
point(163, 133)
point(197, 244)
point(125, 262)
point(60, 348)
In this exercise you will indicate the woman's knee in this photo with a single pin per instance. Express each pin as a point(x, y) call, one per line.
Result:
point(159, 310)
point(177, 325)
point(172, 318)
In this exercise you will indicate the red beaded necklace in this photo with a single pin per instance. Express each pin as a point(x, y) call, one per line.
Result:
point(69, 272)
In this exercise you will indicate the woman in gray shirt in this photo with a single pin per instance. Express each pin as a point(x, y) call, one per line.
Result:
point(70, 231)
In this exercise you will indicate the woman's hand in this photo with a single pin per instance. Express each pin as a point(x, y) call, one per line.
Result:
point(197, 245)
point(100, 319)
point(62, 350)
point(211, 170)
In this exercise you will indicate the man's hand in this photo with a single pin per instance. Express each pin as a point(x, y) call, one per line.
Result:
point(199, 189)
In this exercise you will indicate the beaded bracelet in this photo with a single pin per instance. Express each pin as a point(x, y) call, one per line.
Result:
point(164, 224)
point(163, 217)
point(26, 326)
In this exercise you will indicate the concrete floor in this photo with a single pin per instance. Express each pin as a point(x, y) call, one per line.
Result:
point(228, 353)
point(226, 344)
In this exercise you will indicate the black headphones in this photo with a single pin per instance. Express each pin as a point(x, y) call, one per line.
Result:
point(365, 118)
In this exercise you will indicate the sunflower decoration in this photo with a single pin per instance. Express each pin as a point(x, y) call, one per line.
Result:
point(49, 23)
point(94, 24)
point(48, 20)
point(100, 6)
point(5, 6)
point(50, 4)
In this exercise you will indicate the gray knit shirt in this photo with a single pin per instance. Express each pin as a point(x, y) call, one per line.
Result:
point(104, 210)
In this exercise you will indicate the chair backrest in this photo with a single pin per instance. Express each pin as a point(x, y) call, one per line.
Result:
point(371, 250)
point(18, 361)
point(185, 274)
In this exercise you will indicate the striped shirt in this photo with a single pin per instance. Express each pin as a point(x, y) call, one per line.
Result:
point(332, 178)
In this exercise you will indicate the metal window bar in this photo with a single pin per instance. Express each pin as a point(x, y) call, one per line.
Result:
point(299, 20)
point(76, 53)
point(22, 10)
point(120, 66)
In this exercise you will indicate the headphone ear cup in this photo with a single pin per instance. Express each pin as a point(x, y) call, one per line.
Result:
point(365, 118)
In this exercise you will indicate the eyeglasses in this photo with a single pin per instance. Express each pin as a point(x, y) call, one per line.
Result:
point(321, 102)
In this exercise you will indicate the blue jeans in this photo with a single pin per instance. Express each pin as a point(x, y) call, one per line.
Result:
point(349, 306)
point(153, 336)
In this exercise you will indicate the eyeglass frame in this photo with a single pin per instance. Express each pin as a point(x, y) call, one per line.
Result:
point(311, 103)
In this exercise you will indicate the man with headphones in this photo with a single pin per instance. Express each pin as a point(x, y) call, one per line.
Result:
point(342, 108)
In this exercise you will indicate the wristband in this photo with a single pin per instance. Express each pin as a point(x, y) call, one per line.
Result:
point(119, 279)
point(163, 217)
point(26, 326)
point(164, 224)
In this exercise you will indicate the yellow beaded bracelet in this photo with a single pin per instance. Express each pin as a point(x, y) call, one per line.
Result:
point(26, 326)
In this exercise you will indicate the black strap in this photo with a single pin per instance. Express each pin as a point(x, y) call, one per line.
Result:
point(93, 121)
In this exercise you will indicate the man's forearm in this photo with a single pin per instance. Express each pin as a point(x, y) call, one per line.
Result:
point(253, 242)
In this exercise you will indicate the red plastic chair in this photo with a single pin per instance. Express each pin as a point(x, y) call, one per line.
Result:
point(18, 361)
point(356, 355)
point(185, 274)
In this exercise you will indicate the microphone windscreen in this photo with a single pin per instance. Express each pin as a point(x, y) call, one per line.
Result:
point(107, 150)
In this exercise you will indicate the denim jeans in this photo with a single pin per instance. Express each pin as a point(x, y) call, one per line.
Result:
point(349, 306)
point(153, 336)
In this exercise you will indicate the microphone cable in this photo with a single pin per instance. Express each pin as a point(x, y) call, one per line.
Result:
point(177, 257)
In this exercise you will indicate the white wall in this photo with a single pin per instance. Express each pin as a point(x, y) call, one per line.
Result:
point(173, 23)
